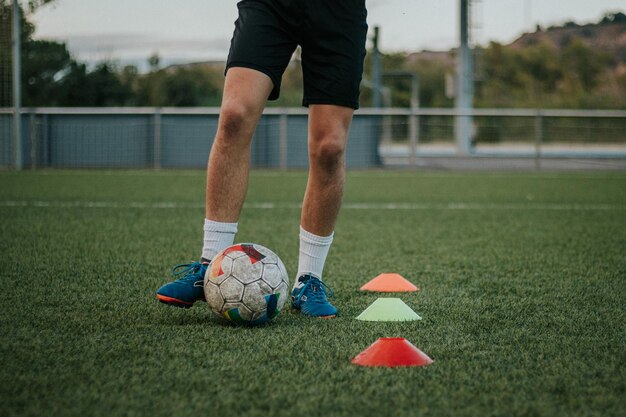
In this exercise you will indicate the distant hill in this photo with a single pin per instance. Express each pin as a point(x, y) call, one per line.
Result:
point(608, 35)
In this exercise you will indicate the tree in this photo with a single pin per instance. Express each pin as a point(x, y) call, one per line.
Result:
point(583, 63)
point(179, 86)
point(432, 82)
point(154, 61)
point(78, 87)
point(44, 64)
point(35, 4)
point(503, 80)
point(618, 17)
point(32, 4)
point(50, 76)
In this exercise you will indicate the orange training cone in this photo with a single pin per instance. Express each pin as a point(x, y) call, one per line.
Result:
point(391, 352)
point(389, 282)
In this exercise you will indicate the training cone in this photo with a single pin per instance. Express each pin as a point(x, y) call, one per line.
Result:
point(391, 352)
point(388, 309)
point(389, 282)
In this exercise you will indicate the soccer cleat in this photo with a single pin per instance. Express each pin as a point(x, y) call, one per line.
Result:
point(310, 298)
point(186, 290)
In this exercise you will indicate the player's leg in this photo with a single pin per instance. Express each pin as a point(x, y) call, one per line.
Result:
point(245, 94)
point(328, 136)
point(259, 53)
point(332, 64)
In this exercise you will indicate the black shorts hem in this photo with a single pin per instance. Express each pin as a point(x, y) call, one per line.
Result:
point(336, 102)
point(239, 64)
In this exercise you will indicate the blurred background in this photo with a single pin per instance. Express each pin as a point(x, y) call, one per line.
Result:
point(470, 84)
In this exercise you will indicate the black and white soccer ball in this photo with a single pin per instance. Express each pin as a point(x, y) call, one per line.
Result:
point(246, 283)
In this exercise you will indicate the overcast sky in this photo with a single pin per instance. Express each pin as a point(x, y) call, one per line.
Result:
point(198, 30)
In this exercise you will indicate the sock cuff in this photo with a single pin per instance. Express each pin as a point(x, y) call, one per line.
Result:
point(315, 239)
point(219, 227)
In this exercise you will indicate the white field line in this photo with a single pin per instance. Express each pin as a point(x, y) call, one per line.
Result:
point(351, 174)
point(345, 206)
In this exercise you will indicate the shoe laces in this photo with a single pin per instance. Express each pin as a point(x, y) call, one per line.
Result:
point(193, 271)
point(315, 290)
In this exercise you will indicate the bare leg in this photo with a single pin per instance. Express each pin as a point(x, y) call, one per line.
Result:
point(245, 94)
point(328, 136)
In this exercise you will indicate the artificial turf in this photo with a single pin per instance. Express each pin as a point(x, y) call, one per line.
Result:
point(522, 277)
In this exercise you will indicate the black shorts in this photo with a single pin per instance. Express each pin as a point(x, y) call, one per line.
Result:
point(331, 33)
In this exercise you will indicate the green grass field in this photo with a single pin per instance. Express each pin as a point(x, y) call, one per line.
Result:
point(522, 277)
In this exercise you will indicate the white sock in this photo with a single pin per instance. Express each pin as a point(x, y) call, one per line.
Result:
point(313, 252)
point(217, 236)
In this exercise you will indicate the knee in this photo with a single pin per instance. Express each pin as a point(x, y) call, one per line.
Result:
point(328, 152)
point(235, 122)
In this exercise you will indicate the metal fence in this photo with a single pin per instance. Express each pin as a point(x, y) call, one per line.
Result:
point(182, 137)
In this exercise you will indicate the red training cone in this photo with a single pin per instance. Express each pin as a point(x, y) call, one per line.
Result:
point(389, 282)
point(391, 352)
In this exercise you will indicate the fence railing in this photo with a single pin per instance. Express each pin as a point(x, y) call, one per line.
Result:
point(181, 137)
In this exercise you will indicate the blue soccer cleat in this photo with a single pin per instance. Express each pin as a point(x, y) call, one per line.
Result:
point(310, 298)
point(186, 290)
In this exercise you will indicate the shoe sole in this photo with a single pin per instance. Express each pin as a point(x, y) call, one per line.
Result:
point(173, 301)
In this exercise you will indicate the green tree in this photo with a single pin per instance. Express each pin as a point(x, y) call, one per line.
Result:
point(44, 63)
point(180, 86)
point(541, 71)
point(432, 82)
point(103, 87)
point(189, 87)
point(50, 76)
point(154, 61)
point(503, 80)
point(584, 65)
point(35, 4)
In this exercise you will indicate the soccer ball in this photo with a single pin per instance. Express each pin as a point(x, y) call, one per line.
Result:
point(247, 284)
